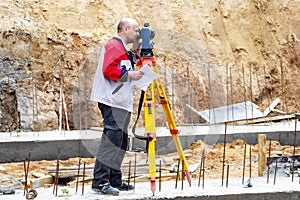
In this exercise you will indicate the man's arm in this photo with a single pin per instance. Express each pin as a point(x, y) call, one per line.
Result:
point(111, 62)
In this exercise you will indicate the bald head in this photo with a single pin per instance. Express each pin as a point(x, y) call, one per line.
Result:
point(126, 23)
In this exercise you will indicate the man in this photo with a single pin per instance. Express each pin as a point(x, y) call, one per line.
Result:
point(114, 91)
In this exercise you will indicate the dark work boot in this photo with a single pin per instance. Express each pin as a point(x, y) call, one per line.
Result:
point(106, 189)
point(124, 187)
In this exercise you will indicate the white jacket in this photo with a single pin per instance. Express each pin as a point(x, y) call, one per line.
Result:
point(103, 87)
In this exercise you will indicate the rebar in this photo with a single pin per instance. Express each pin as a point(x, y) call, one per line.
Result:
point(269, 162)
point(83, 178)
point(266, 85)
point(282, 87)
point(10, 120)
point(200, 171)
point(55, 188)
point(172, 86)
point(231, 94)
point(203, 168)
point(27, 170)
point(250, 160)
point(182, 173)
point(245, 95)
point(244, 162)
point(159, 178)
point(129, 170)
point(227, 96)
point(134, 173)
point(224, 151)
point(177, 173)
point(209, 95)
point(251, 93)
point(25, 176)
point(33, 98)
point(78, 173)
point(227, 176)
point(189, 92)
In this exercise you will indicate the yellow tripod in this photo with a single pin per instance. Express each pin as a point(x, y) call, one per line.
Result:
point(150, 122)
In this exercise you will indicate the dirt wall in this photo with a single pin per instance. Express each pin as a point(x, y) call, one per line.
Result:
point(209, 53)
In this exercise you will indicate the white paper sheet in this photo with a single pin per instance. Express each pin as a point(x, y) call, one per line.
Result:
point(148, 77)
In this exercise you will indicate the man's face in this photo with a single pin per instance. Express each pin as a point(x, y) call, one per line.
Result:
point(132, 33)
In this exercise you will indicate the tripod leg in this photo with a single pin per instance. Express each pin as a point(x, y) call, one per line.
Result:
point(150, 128)
point(152, 167)
point(171, 123)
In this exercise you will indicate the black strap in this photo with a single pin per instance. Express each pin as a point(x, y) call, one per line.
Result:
point(148, 138)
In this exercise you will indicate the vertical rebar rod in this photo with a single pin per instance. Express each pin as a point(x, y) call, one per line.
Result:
point(231, 94)
point(172, 83)
point(251, 93)
point(244, 163)
point(182, 173)
point(55, 188)
point(60, 105)
point(10, 120)
point(159, 178)
point(227, 93)
point(17, 118)
point(200, 171)
point(250, 160)
point(129, 174)
point(282, 88)
point(32, 100)
point(78, 173)
point(25, 176)
point(224, 152)
point(294, 150)
point(86, 95)
point(83, 178)
point(266, 85)
point(275, 171)
point(227, 176)
point(177, 173)
point(189, 92)
point(203, 169)
point(27, 170)
point(269, 162)
point(79, 102)
point(245, 97)
point(134, 173)
point(209, 94)
point(36, 106)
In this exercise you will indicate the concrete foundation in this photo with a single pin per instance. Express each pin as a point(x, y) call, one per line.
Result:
point(44, 145)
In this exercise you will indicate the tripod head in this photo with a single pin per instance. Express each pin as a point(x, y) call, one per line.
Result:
point(147, 35)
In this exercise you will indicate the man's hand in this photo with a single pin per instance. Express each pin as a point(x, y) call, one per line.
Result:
point(135, 75)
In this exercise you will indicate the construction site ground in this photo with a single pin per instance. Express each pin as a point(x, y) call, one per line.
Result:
point(283, 189)
point(41, 175)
